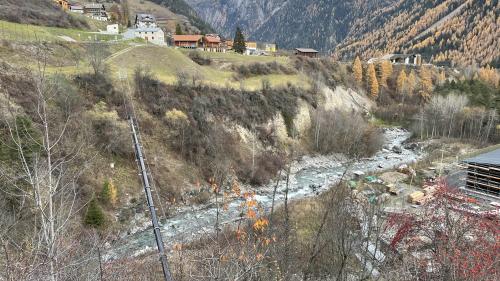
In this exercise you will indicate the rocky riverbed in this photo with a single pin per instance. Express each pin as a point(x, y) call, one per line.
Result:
point(309, 177)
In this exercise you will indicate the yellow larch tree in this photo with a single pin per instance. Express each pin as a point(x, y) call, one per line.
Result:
point(426, 83)
point(373, 82)
point(109, 193)
point(442, 77)
point(489, 75)
point(357, 69)
point(385, 69)
point(411, 82)
point(401, 83)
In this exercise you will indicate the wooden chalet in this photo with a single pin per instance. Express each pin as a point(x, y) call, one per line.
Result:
point(306, 52)
point(188, 41)
point(213, 43)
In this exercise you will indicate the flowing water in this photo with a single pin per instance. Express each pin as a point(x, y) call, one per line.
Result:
point(309, 177)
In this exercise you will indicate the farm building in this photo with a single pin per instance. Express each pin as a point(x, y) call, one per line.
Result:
point(483, 173)
point(188, 41)
point(306, 52)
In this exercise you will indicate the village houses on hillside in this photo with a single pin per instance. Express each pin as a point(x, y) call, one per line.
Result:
point(95, 11)
point(146, 27)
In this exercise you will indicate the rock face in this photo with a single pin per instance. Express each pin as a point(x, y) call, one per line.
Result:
point(226, 15)
point(345, 99)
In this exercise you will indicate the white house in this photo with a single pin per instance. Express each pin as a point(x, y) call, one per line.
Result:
point(78, 9)
point(152, 35)
point(113, 29)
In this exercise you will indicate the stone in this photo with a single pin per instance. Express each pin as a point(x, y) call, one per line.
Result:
point(397, 149)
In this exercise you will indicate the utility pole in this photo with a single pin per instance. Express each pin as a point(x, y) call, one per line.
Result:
point(147, 189)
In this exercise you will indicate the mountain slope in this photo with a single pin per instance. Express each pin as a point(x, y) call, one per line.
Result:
point(39, 12)
point(434, 28)
point(226, 15)
point(450, 31)
point(180, 7)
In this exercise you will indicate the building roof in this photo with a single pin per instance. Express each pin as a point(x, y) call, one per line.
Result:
point(187, 38)
point(396, 56)
point(212, 38)
point(94, 6)
point(306, 50)
point(148, 29)
point(145, 17)
point(491, 158)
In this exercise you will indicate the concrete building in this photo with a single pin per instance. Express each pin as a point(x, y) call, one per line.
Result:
point(483, 173)
point(113, 29)
point(409, 59)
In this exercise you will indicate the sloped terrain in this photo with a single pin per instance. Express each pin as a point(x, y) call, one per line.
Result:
point(39, 12)
point(444, 31)
point(451, 31)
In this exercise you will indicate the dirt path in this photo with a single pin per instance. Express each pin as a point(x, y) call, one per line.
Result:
point(441, 21)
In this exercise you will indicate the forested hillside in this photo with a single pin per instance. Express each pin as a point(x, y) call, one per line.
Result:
point(451, 31)
point(444, 31)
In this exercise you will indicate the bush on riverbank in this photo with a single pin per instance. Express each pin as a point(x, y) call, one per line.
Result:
point(335, 131)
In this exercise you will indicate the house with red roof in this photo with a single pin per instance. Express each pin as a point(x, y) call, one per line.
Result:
point(213, 43)
point(188, 41)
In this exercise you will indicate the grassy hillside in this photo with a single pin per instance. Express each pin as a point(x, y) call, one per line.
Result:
point(15, 32)
point(39, 12)
point(167, 64)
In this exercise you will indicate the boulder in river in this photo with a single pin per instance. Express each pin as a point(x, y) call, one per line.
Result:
point(397, 149)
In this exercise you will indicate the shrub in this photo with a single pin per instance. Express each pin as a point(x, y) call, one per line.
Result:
point(111, 133)
point(396, 113)
point(198, 58)
point(94, 216)
point(335, 131)
point(257, 68)
point(268, 164)
point(97, 88)
point(202, 198)
point(109, 193)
